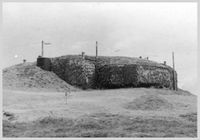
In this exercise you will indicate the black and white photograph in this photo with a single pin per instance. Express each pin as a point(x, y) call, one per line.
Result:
point(99, 69)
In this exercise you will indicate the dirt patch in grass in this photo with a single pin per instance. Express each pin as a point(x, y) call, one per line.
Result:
point(102, 125)
point(149, 102)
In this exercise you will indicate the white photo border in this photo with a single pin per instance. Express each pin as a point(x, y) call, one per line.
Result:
point(198, 56)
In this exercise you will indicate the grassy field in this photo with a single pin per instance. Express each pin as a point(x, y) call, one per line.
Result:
point(130, 112)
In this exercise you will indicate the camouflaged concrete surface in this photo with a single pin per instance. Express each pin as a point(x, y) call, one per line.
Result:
point(112, 72)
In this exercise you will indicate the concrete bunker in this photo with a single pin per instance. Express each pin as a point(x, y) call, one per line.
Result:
point(110, 72)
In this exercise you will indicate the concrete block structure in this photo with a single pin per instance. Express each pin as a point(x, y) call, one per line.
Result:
point(111, 72)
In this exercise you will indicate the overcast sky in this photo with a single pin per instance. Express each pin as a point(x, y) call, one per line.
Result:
point(123, 29)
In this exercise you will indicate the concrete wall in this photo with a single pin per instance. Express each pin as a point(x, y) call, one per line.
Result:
point(75, 71)
point(86, 73)
point(155, 76)
point(44, 63)
point(134, 75)
point(116, 76)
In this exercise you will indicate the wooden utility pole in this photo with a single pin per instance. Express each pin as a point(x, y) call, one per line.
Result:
point(44, 43)
point(96, 49)
point(173, 60)
point(174, 84)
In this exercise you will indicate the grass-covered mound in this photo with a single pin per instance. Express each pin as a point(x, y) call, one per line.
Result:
point(28, 76)
point(149, 102)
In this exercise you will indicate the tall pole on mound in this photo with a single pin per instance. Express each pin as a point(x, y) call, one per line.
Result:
point(96, 49)
point(96, 79)
point(44, 43)
point(42, 48)
point(174, 84)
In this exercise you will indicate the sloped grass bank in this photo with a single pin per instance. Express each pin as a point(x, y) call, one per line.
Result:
point(28, 76)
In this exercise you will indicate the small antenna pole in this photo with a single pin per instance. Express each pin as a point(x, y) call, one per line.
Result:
point(42, 48)
point(96, 49)
point(173, 60)
point(44, 43)
point(174, 84)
